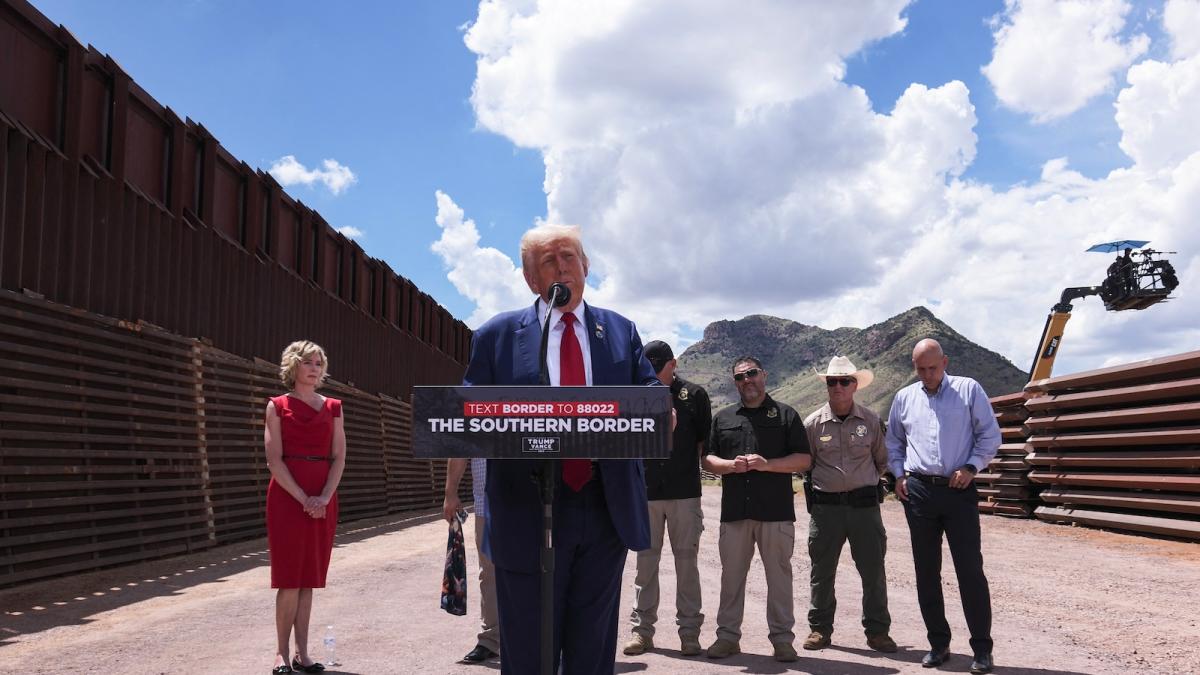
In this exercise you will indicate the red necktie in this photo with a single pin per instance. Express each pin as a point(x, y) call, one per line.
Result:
point(575, 472)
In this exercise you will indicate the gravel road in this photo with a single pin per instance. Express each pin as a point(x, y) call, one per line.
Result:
point(1066, 600)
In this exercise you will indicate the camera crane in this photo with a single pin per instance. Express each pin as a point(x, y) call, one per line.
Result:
point(1135, 280)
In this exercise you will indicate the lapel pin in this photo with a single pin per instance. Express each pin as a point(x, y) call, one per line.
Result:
point(599, 331)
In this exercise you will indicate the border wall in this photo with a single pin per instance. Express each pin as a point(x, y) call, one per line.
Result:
point(112, 203)
point(122, 442)
point(148, 282)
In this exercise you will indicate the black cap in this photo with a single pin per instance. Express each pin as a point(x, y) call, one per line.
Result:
point(658, 353)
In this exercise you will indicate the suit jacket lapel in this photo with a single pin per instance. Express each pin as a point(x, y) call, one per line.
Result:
point(598, 342)
point(529, 343)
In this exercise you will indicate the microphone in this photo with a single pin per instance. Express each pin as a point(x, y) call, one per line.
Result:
point(559, 294)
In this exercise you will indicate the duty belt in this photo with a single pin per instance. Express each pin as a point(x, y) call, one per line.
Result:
point(861, 497)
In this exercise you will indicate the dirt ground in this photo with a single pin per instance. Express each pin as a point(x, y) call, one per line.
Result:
point(1066, 600)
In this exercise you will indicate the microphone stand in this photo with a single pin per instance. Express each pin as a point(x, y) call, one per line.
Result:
point(546, 477)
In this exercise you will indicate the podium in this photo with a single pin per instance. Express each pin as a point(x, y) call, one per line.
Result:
point(548, 424)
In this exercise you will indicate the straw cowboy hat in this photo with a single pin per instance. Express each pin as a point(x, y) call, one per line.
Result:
point(840, 366)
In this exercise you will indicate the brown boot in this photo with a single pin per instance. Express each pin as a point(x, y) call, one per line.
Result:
point(881, 642)
point(689, 646)
point(817, 640)
point(638, 644)
point(723, 648)
point(785, 652)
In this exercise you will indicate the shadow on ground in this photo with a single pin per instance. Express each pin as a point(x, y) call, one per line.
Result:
point(67, 601)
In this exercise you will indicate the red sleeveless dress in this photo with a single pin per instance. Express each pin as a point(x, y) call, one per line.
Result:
point(300, 545)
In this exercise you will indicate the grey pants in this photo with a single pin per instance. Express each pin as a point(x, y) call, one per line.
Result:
point(830, 526)
point(683, 520)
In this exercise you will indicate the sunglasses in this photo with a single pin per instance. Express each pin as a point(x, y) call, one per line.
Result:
point(843, 381)
point(749, 372)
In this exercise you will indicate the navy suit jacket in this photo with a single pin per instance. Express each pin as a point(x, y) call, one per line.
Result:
point(504, 351)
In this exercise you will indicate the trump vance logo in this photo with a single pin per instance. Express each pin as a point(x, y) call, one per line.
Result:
point(540, 445)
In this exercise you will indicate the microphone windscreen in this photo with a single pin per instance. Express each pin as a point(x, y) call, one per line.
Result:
point(560, 294)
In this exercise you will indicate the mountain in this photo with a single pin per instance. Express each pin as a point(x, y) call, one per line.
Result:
point(791, 351)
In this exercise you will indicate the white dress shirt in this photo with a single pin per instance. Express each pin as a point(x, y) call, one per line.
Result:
point(554, 345)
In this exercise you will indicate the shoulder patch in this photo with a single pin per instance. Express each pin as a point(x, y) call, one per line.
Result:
point(773, 412)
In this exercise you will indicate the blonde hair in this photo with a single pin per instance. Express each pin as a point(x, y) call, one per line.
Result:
point(293, 355)
point(543, 234)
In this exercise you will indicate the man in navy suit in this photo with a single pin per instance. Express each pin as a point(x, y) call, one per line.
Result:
point(600, 508)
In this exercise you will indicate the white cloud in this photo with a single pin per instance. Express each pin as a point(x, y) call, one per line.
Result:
point(1181, 18)
point(334, 176)
point(1157, 112)
point(351, 232)
point(485, 275)
point(1053, 56)
point(720, 167)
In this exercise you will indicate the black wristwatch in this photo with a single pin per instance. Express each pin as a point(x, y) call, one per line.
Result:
point(970, 467)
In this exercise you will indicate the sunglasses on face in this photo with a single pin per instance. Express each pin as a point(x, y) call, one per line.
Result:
point(843, 381)
point(749, 372)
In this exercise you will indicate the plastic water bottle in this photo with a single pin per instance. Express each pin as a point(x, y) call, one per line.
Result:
point(330, 647)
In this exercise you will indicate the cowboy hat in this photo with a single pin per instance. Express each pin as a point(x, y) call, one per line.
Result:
point(840, 366)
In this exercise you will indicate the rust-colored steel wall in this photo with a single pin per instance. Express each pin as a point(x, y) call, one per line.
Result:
point(110, 202)
point(122, 442)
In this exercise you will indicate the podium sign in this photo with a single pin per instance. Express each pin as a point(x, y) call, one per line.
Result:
point(542, 422)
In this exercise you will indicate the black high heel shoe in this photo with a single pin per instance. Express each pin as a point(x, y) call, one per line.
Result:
point(280, 670)
point(316, 667)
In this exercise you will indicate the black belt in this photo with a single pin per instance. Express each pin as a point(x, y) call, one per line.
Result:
point(932, 480)
point(310, 458)
point(863, 496)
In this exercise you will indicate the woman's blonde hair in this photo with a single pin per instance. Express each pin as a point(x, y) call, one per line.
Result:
point(294, 354)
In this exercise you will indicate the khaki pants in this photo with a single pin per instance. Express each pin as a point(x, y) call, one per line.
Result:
point(776, 540)
point(489, 633)
point(683, 520)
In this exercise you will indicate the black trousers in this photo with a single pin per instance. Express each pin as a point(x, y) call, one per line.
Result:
point(932, 510)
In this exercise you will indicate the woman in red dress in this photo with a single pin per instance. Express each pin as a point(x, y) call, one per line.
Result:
point(306, 452)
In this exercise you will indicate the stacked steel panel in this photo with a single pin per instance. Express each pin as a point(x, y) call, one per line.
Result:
point(1004, 487)
point(1120, 447)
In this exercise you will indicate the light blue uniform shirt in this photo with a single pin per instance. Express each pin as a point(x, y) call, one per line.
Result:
point(478, 478)
point(936, 434)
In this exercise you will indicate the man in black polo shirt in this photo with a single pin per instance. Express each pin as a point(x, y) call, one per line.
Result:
point(755, 447)
point(673, 488)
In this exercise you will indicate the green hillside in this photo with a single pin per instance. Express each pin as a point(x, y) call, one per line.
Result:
point(791, 352)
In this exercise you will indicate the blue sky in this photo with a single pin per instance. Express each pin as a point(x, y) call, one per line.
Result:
point(863, 159)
